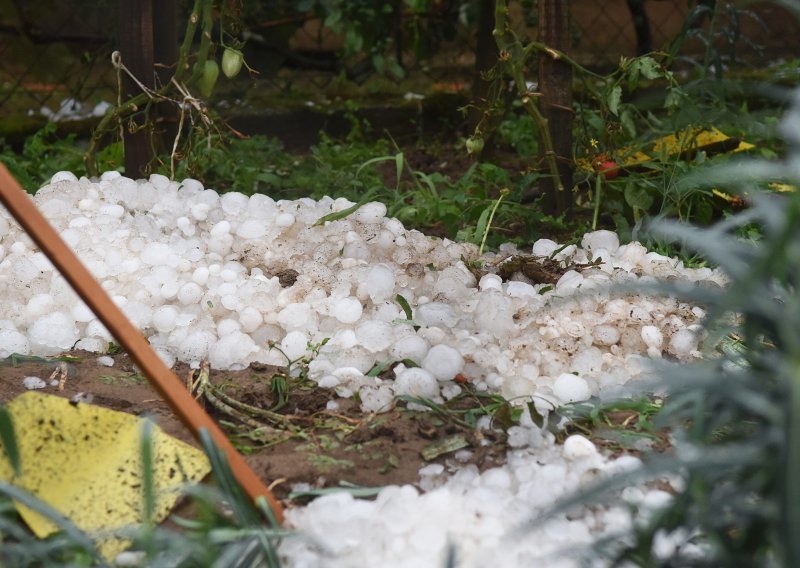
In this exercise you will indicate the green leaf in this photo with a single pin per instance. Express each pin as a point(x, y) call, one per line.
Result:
point(703, 212)
point(404, 304)
point(504, 416)
point(480, 228)
point(648, 67)
point(638, 197)
point(381, 159)
point(395, 69)
point(398, 166)
point(673, 99)
point(9, 440)
point(269, 178)
point(148, 485)
point(536, 416)
point(444, 446)
point(355, 491)
point(379, 368)
point(626, 118)
point(333, 19)
point(353, 41)
point(337, 215)
point(613, 100)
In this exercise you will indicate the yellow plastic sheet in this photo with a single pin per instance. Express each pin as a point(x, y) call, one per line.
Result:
point(85, 461)
point(686, 141)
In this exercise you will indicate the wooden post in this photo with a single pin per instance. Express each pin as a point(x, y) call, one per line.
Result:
point(555, 85)
point(165, 55)
point(148, 43)
point(485, 59)
point(135, 23)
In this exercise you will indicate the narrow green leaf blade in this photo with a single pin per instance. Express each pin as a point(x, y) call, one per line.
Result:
point(337, 215)
point(404, 304)
point(8, 439)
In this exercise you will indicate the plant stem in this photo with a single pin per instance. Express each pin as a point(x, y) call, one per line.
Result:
point(598, 187)
point(503, 192)
point(188, 38)
point(558, 54)
point(515, 59)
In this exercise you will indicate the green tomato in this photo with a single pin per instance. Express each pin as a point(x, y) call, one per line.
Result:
point(209, 77)
point(474, 145)
point(232, 60)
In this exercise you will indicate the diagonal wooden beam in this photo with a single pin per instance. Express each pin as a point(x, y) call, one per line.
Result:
point(168, 385)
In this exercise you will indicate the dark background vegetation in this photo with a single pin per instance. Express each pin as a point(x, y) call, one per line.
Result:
point(393, 101)
point(337, 84)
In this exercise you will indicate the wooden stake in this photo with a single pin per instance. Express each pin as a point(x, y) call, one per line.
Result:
point(555, 84)
point(168, 385)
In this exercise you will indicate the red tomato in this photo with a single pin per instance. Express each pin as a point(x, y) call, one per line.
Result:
point(609, 169)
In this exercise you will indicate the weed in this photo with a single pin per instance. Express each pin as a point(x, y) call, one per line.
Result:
point(624, 423)
point(113, 348)
point(315, 456)
point(301, 363)
point(466, 408)
point(45, 153)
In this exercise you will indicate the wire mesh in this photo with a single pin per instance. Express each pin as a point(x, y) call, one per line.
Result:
point(51, 51)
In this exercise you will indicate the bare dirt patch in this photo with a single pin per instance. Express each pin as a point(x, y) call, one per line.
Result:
point(320, 448)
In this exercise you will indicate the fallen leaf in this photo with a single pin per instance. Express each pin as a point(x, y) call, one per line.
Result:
point(85, 462)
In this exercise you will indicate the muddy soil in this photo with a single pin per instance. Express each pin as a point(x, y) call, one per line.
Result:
point(320, 448)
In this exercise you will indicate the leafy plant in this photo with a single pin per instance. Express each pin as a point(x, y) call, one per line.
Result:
point(622, 422)
point(735, 417)
point(513, 62)
point(245, 165)
point(519, 132)
point(380, 32)
point(45, 153)
point(299, 367)
point(467, 407)
point(195, 73)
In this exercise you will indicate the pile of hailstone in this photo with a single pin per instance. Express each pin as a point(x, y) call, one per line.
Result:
point(200, 274)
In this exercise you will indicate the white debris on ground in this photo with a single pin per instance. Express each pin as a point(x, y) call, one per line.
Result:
point(71, 109)
point(204, 276)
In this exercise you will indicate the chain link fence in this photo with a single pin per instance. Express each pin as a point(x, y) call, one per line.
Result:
point(52, 51)
point(746, 34)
